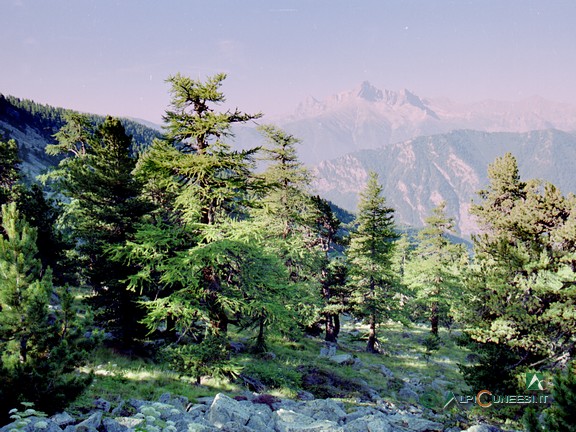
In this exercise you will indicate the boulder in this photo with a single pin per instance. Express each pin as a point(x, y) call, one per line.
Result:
point(111, 425)
point(102, 405)
point(34, 424)
point(328, 350)
point(323, 409)
point(371, 423)
point(63, 419)
point(408, 394)
point(414, 423)
point(91, 424)
point(290, 421)
point(225, 409)
point(342, 359)
point(386, 372)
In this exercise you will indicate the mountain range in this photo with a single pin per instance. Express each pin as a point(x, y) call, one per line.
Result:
point(418, 174)
point(369, 118)
point(424, 150)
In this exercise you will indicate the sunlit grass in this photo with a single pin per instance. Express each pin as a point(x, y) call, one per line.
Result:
point(118, 377)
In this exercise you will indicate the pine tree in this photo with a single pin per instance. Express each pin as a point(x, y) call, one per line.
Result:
point(40, 345)
point(561, 417)
point(370, 258)
point(433, 268)
point(105, 205)
point(9, 170)
point(520, 288)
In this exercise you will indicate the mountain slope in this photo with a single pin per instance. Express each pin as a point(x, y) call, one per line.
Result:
point(418, 174)
point(33, 125)
point(368, 118)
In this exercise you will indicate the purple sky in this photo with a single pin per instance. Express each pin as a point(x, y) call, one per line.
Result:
point(112, 57)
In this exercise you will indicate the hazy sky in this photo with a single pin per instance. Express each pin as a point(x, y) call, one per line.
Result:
point(113, 57)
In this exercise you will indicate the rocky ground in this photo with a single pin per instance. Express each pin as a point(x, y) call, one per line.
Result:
point(247, 413)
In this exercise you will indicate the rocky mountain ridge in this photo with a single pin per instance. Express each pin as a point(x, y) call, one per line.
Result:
point(368, 118)
point(418, 174)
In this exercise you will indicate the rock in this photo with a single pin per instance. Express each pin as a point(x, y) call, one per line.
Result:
point(102, 405)
point(415, 424)
point(237, 347)
point(34, 424)
point(342, 359)
point(372, 423)
point(323, 409)
point(408, 394)
point(179, 402)
point(111, 425)
point(225, 409)
point(63, 419)
point(328, 350)
point(304, 396)
point(269, 356)
point(92, 423)
point(290, 421)
point(206, 400)
point(120, 409)
point(386, 372)
point(137, 403)
point(359, 413)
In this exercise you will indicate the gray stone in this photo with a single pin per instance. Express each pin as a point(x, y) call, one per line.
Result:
point(386, 372)
point(34, 424)
point(206, 400)
point(323, 409)
point(111, 425)
point(63, 419)
point(290, 421)
point(328, 350)
point(413, 423)
point(137, 403)
point(260, 423)
point(360, 412)
point(102, 405)
point(224, 410)
point(91, 423)
point(342, 359)
point(408, 394)
point(120, 409)
point(305, 396)
point(179, 402)
point(371, 423)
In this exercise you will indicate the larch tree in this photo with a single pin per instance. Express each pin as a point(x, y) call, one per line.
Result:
point(200, 267)
point(374, 285)
point(433, 267)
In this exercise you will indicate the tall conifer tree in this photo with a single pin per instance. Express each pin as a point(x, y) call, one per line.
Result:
point(370, 258)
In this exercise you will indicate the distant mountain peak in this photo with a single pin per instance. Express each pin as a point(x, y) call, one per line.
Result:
point(369, 92)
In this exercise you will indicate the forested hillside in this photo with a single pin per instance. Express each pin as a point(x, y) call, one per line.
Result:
point(33, 125)
point(183, 256)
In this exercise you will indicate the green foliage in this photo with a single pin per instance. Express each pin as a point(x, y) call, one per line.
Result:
point(210, 357)
point(375, 286)
point(9, 169)
point(104, 207)
point(432, 271)
point(561, 417)
point(521, 289)
point(41, 344)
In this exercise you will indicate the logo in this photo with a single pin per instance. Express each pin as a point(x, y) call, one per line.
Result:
point(450, 399)
point(534, 381)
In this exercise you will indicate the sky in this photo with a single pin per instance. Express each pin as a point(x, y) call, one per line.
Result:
point(113, 56)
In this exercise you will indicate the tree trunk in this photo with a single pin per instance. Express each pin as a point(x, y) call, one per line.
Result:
point(330, 329)
point(372, 340)
point(336, 325)
point(434, 319)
